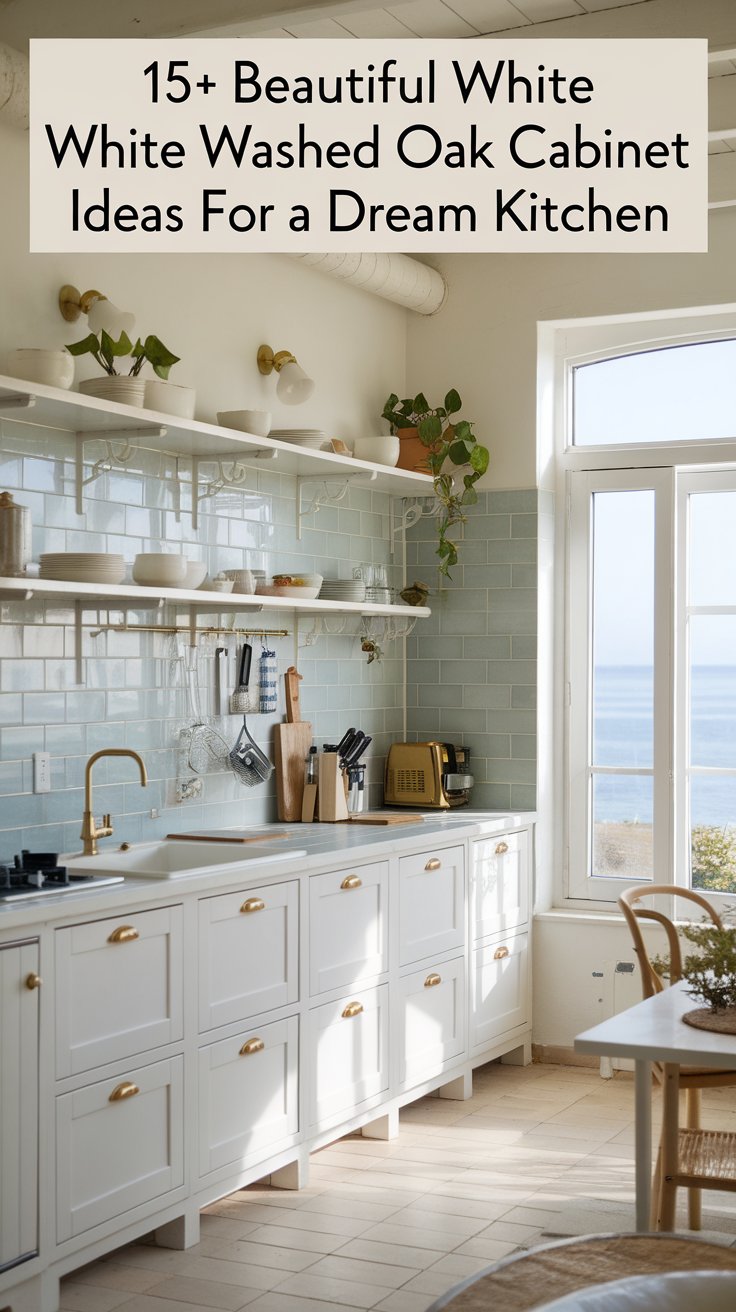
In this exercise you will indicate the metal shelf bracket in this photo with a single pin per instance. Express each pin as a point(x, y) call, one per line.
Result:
point(113, 458)
point(231, 472)
point(323, 495)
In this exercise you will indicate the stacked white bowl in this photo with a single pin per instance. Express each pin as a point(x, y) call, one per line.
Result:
point(83, 566)
point(54, 368)
point(158, 569)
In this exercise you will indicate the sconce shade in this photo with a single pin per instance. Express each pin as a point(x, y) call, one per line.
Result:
point(294, 385)
point(101, 313)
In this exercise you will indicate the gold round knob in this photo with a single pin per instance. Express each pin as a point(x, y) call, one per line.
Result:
point(501, 848)
point(253, 904)
point(500, 953)
point(251, 1046)
point(123, 934)
point(33, 981)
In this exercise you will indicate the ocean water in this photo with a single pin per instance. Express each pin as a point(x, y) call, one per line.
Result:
point(622, 735)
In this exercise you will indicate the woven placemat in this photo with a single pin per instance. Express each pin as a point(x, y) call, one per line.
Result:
point(720, 1022)
point(526, 1280)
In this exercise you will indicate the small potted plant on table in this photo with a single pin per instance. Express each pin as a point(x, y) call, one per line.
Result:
point(125, 386)
point(434, 442)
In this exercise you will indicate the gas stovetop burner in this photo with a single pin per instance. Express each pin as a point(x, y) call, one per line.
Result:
point(38, 874)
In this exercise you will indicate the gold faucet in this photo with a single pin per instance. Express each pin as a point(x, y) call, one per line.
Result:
point(90, 833)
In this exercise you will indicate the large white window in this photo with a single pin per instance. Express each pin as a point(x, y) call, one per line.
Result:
point(650, 604)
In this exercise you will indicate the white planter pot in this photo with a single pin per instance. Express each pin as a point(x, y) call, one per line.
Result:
point(115, 387)
point(170, 398)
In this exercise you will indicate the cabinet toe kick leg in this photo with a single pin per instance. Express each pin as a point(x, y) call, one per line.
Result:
point(458, 1090)
point(295, 1175)
point(182, 1232)
point(384, 1127)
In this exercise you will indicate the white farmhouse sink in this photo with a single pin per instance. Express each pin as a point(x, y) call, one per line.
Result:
point(168, 859)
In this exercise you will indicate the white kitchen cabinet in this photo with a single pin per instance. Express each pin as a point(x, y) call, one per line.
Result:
point(500, 883)
point(19, 1017)
point(432, 1019)
point(248, 1095)
point(348, 926)
point(119, 1143)
point(500, 988)
point(118, 988)
point(431, 903)
point(348, 1054)
point(248, 953)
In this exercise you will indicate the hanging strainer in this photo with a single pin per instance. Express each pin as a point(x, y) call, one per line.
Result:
point(206, 749)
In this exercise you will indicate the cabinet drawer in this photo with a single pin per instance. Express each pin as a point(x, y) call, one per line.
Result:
point(432, 1020)
point(248, 1094)
point(432, 904)
point(248, 953)
point(119, 988)
point(348, 916)
point(500, 988)
point(348, 1046)
point(120, 1143)
point(500, 884)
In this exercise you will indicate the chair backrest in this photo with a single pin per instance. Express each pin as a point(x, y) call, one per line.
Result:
point(651, 981)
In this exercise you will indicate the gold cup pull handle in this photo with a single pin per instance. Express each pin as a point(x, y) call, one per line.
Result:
point(253, 904)
point(251, 1046)
point(123, 1091)
point(432, 979)
point(33, 981)
point(351, 881)
point(352, 1009)
point(501, 848)
point(433, 864)
point(123, 934)
point(500, 953)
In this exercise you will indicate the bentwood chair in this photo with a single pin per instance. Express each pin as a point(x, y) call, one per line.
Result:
point(693, 1158)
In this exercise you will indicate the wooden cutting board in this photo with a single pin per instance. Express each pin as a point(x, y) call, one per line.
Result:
point(291, 747)
point(385, 818)
point(226, 836)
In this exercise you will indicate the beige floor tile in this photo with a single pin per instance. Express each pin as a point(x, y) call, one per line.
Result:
point(257, 1254)
point(396, 1254)
point(114, 1275)
point(306, 1241)
point(242, 1274)
point(208, 1293)
point(439, 1240)
point(147, 1303)
point(339, 1204)
point(350, 1226)
point(447, 1222)
point(368, 1273)
point(402, 1301)
point(276, 1302)
point(491, 1250)
point(77, 1297)
point(330, 1291)
point(224, 1227)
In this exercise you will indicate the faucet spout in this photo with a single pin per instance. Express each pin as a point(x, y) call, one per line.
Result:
point(90, 831)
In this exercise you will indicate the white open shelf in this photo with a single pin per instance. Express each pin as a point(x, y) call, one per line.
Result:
point(73, 413)
point(120, 596)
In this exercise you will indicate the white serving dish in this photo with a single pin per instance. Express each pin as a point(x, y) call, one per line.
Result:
point(379, 450)
point(170, 398)
point(270, 590)
point(257, 422)
point(52, 368)
point(155, 569)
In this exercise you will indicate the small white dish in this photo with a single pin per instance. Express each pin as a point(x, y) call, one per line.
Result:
point(378, 450)
point(257, 422)
point(220, 584)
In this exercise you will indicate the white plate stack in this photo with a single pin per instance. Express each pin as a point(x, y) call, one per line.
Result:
point(312, 437)
point(83, 566)
point(342, 590)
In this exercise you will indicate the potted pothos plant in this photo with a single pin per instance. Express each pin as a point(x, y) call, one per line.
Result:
point(448, 449)
point(120, 383)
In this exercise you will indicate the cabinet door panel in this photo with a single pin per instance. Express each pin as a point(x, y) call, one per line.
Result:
point(348, 915)
point(114, 1152)
point(500, 988)
point(248, 953)
point(432, 904)
point(119, 985)
point(348, 1045)
point(432, 1020)
point(500, 884)
point(248, 1095)
point(18, 1104)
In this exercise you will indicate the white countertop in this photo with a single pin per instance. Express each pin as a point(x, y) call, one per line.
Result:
point(326, 845)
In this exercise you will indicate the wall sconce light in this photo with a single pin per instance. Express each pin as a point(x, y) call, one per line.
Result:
point(294, 386)
point(101, 314)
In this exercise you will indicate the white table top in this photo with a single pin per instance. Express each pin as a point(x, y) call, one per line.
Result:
point(654, 1031)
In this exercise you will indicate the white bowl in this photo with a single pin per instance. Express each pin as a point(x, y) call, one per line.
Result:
point(243, 580)
point(155, 569)
point(53, 368)
point(257, 422)
point(195, 573)
point(379, 450)
point(220, 585)
point(170, 398)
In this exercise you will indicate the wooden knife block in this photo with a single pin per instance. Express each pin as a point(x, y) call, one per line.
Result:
point(331, 789)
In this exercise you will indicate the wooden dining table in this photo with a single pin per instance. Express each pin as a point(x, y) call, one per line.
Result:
point(654, 1030)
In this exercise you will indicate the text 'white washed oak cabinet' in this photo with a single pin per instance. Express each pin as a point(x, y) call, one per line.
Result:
point(187, 1043)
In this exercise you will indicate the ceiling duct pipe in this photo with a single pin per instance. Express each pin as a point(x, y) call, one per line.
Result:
point(13, 87)
point(396, 278)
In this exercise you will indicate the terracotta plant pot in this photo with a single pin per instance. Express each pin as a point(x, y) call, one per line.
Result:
point(413, 453)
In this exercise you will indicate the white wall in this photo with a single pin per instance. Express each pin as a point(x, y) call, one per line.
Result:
point(213, 311)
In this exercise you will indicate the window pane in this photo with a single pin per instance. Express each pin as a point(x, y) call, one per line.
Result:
point(622, 826)
point(712, 832)
point(623, 628)
point(713, 691)
point(676, 394)
point(712, 549)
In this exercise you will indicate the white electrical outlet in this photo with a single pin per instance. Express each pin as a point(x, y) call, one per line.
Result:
point(42, 772)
